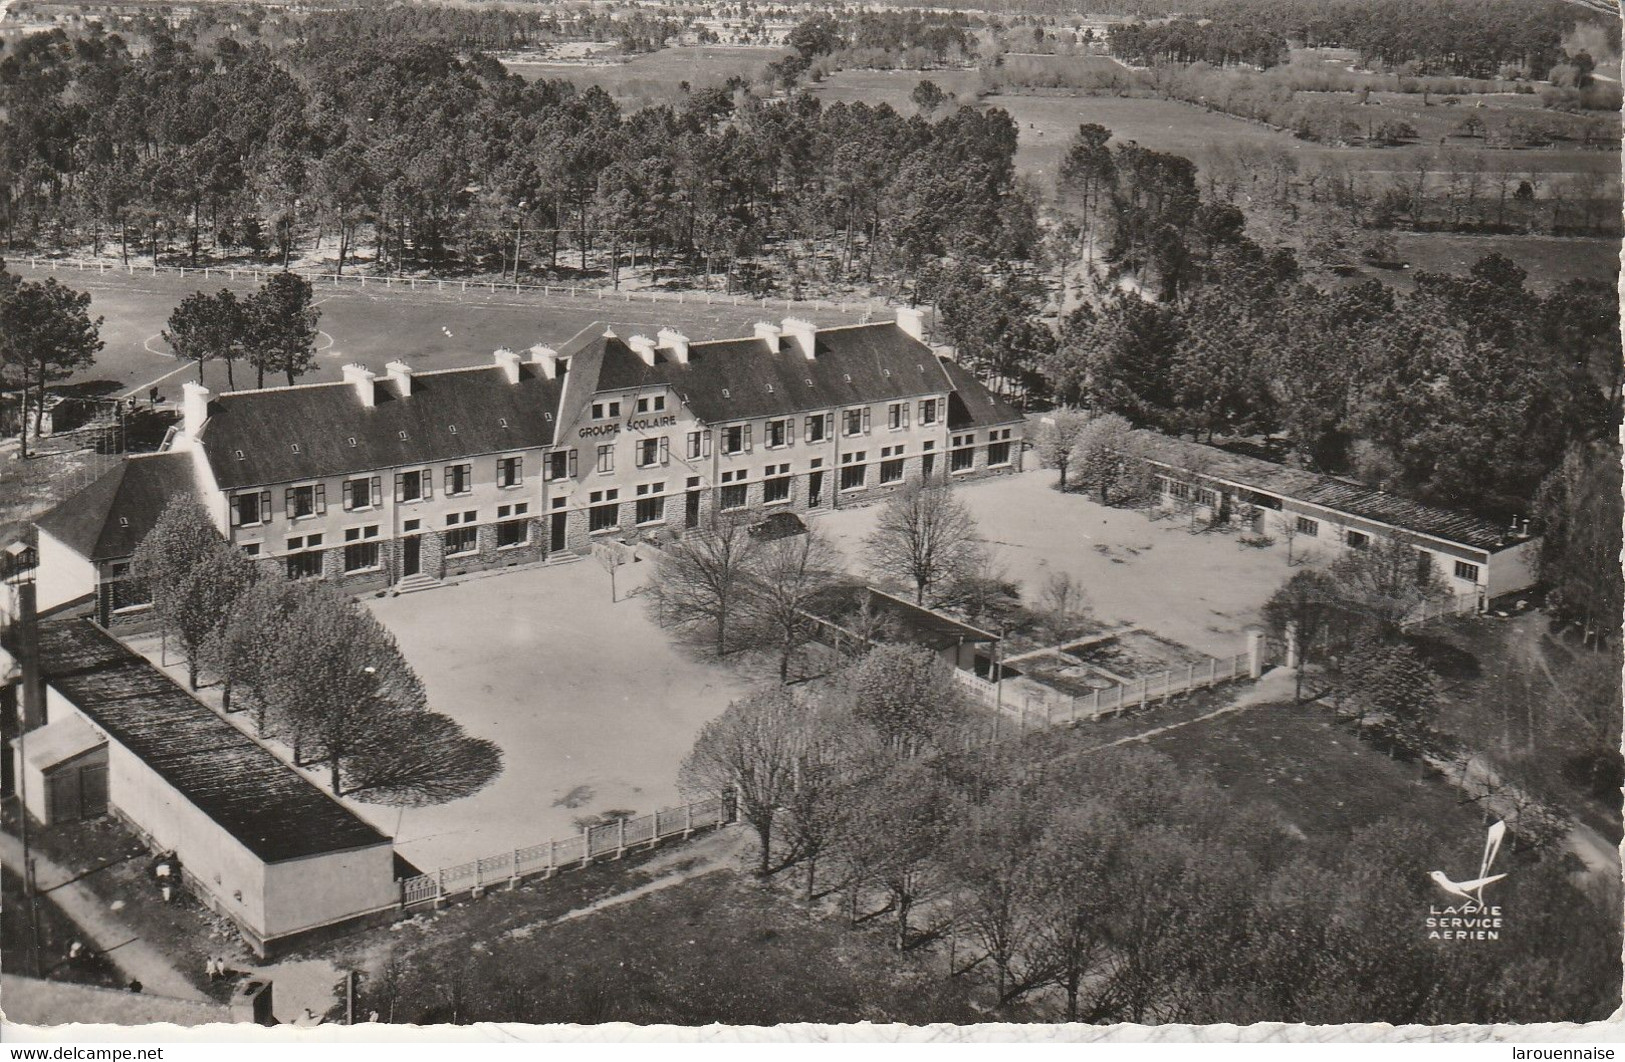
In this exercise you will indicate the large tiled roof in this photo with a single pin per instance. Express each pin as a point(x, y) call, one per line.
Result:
point(274, 811)
point(972, 405)
point(293, 433)
point(739, 379)
point(109, 518)
point(1328, 492)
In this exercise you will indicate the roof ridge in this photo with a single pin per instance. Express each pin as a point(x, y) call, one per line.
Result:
point(284, 387)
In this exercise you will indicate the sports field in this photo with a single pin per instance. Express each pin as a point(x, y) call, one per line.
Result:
point(592, 704)
point(427, 329)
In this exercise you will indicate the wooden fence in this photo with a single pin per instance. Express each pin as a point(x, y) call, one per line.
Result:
point(612, 839)
point(428, 284)
point(1036, 707)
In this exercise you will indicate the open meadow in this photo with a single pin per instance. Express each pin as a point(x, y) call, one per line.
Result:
point(655, 77)
point(373, 325)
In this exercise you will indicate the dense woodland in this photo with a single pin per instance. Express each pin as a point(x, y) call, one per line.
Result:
point(207, 149)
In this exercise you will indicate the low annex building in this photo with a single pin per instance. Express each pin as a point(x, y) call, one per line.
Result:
point(255, 840)
point(383, 478)
point(1473, 556)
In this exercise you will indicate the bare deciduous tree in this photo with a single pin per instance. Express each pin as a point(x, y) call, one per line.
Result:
point(702, 579)
point(1058, 440)
point(754, 748)
point(925, 536)
point(785, 576)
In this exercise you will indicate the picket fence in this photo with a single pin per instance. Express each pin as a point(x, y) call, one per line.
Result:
point(427, 284)
point(1036, 707)
point(611, 839)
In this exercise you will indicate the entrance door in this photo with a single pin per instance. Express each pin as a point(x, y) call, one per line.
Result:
point(93, 791)
point(815, 489)
point(412, 561)
point(691, 510)
point(555, 539)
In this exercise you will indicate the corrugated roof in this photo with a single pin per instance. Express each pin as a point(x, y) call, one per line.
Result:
point(272, 809)
point(109, 518)
point(294, 433)
point(739, 379)
point(1329, 492)
point(972, 405)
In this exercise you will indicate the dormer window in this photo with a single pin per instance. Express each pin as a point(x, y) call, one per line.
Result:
point(240, 456)
point(502, 422)
point(403, 436)
point(295, 447)
point(769, 388)
point(452, 428)
point(124, 521)
point(725, 393)
point(352, 440)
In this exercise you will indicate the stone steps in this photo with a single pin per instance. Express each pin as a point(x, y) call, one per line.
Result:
point(413, 583)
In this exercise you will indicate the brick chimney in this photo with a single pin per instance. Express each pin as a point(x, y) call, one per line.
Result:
point(769, 332)
point(361, 378)
point(545, 358)
point(676, 344)
point(400, 378)
point(912, 321)
point(194, 408)
point(804, 334)
point(508, 362)
point(644, 347)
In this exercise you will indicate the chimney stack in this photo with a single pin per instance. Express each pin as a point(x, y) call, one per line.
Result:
point(361, 378)
point(644, 347)
point(912, 321)
point(547, 359)
point(676, 343)
point(194, 408)
point(804, 334)
point(769, 332)
point(508, 362)
point(400, 378)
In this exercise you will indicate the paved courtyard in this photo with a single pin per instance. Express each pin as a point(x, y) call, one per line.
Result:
point(1199, 589)
point(592, 704)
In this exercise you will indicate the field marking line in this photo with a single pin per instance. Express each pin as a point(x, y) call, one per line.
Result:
point(135, 391)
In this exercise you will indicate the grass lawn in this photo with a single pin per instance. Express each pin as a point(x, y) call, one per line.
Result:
point(374, 326)
point(1504, 692)
point(1201, 590)
point(1314, 774)
point(701, 943)
point(593, 705)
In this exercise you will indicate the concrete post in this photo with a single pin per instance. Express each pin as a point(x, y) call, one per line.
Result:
point(620, 838)
point(1255, 651)
point(439, 889)
point(688, 820)
point(552, 857)
point(513, 879)
point(586, 846)
point(1094, 703)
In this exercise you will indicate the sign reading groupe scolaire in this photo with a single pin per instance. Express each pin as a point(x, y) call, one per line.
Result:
point(632, 424)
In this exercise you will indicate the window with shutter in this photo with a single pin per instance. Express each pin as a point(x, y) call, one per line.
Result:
point(321, 499)
point(572, 464)
point(400, 486)
point(377, 490)
point(287, 503)
point(866, 420)
point(705, 445)
point(747, 439)
point(265, 506)
point(665, 450)
point(427, 478)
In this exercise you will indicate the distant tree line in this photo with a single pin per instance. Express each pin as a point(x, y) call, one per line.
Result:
point(1189, 40)
point(217, 148)
point(317, 670)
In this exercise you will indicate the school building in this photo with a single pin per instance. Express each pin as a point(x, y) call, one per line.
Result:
point(406, 478)
point(1476, 558)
